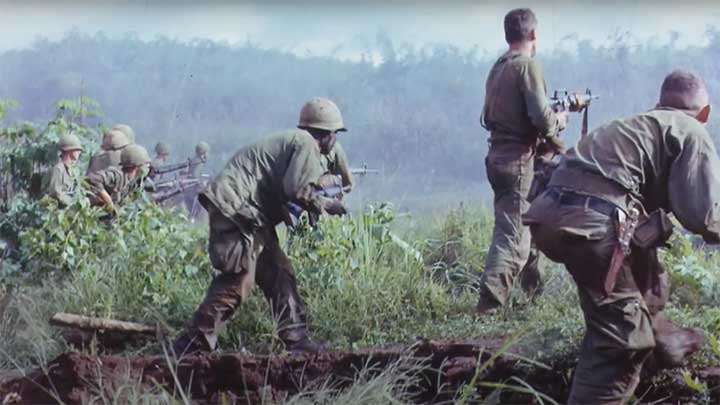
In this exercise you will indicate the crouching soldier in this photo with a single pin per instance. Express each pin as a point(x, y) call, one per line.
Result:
point(603, 217)
point(245, 202)
point(112, 186)
point(62, 183)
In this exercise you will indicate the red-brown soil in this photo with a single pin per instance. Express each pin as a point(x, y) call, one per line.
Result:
point(75, 377)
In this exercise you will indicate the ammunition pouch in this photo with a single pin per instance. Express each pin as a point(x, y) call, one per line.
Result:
point(653, 231)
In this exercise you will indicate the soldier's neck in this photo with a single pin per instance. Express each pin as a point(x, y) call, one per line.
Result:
point(524, 48)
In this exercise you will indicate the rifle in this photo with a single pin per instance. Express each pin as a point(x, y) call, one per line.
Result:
point(295, 210)
point(562, 100)
point(181, 187)
point(173, 167)
point(363, 170)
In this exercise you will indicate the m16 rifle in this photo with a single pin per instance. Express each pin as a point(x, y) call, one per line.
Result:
point(295, 210)
point(363, 170)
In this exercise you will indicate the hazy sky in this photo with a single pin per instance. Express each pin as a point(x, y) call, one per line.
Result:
point(347, 29)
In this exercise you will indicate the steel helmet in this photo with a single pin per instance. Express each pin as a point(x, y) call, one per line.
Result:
point(134, 155)
point(202, 148)
point(125, 129)
point(162, 148)
point(69, 142)
point(116, 139)
point(321, 113)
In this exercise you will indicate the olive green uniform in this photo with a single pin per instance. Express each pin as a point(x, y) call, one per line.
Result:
point(245, 202)
point(61, 184)
point(659, 159)
point(115, 182)
point(517, 114)
point(103, 160)
point(336, 162)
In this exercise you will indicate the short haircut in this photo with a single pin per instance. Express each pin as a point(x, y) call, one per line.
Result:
point(683, 89)
point(519, 23)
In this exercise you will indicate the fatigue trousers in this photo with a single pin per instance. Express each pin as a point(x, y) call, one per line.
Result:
point(624, 326)
point(243, 258)
point(509, 168)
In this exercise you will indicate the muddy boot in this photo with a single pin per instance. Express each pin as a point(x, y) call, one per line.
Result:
point(297, 342)
point(189, 343)
point(486, 306)
point(673, 344)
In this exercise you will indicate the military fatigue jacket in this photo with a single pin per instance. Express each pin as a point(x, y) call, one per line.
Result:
point(104, 159)
point(664, 158)
point(260, 179)
point(516, 104)
point(61, 184)
point(115, 182)
point(336, 162)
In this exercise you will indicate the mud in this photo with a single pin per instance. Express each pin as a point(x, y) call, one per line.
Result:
point(75, 377)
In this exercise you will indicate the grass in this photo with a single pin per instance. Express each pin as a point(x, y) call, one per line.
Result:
point(361, 278)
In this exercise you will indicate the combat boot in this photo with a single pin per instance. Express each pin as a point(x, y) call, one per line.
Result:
point(297, 341)
point(486, 306)
point(191, 343)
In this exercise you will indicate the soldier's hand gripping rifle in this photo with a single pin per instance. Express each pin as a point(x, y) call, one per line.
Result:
point(294, 209)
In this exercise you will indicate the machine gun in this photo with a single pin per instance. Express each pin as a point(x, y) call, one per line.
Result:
point(174, 167)
point(177, 187)
point(563, 100)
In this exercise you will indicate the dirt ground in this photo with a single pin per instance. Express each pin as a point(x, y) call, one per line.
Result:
point(74, 377)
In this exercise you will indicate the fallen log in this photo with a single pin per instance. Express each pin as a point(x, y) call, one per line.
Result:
point(100, 324)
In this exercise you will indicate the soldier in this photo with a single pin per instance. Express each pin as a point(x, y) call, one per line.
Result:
point(244, 203)
point(114, 141)
point(62, 185)
point(663, 159)
point(162, 154)
point(110, 187)
point(201, 153)
point(127, 130)
point(518, 116)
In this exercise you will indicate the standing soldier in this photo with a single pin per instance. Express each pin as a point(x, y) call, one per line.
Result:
point(196, 163)
point(62, 183)
point(114, 141)
point(603, 217)
point(244, 203)
point(518, 116)
point(110, 187)
point(162, 154)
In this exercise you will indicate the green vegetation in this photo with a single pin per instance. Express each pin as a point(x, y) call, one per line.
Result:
point(369, 279)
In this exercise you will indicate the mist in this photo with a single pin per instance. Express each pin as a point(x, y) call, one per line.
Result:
point(411, 102)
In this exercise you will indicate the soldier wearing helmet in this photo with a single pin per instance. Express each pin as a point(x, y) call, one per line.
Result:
point(114, 185)
point(162, 154)
point(62, 185)
point(127, 130)
point(244, 206)
point(198, 161)
point(114, 141)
